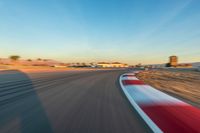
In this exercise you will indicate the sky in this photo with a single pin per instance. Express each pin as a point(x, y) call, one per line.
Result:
point(129, 31)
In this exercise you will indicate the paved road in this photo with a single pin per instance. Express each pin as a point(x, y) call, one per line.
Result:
point(66, 102)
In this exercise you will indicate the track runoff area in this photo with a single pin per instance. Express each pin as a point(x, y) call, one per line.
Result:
point(161, 112)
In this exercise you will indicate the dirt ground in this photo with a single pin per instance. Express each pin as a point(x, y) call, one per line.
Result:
point(184, 85)
point(38, 69)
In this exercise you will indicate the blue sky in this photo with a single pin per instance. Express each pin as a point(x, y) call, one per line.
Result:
point(130, 31)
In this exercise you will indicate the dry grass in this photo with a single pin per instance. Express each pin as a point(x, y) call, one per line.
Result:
point(184, 85)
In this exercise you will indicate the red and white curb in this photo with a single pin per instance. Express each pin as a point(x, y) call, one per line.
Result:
point(161, 112)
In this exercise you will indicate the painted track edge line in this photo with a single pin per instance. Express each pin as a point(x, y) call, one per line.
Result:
point(144, 116)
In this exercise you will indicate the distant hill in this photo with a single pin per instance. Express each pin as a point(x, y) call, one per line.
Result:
point(196, 64)
point(41, 62)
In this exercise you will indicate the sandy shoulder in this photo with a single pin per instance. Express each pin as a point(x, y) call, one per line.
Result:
point(184, 85)
point(38, 69)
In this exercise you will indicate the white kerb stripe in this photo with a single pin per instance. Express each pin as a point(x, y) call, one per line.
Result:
point(149, 122)
point(129, 78)
point(129, 74)
point(145, 94)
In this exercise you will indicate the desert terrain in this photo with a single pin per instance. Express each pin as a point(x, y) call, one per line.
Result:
point(183, 84)
point(39, 69)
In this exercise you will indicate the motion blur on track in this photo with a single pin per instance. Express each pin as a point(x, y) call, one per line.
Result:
point(60, 102)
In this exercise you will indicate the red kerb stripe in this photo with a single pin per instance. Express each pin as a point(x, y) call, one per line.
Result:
point(174, 118)
point(132, 82)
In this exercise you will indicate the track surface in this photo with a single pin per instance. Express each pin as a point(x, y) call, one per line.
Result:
point(66, 102)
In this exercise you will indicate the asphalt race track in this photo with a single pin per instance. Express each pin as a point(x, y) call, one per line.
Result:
point(66, 102)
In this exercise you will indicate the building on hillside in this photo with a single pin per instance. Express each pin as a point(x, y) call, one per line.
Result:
point(111, 65)
point(118, 64)
point(173, 61)
point(103, 64)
